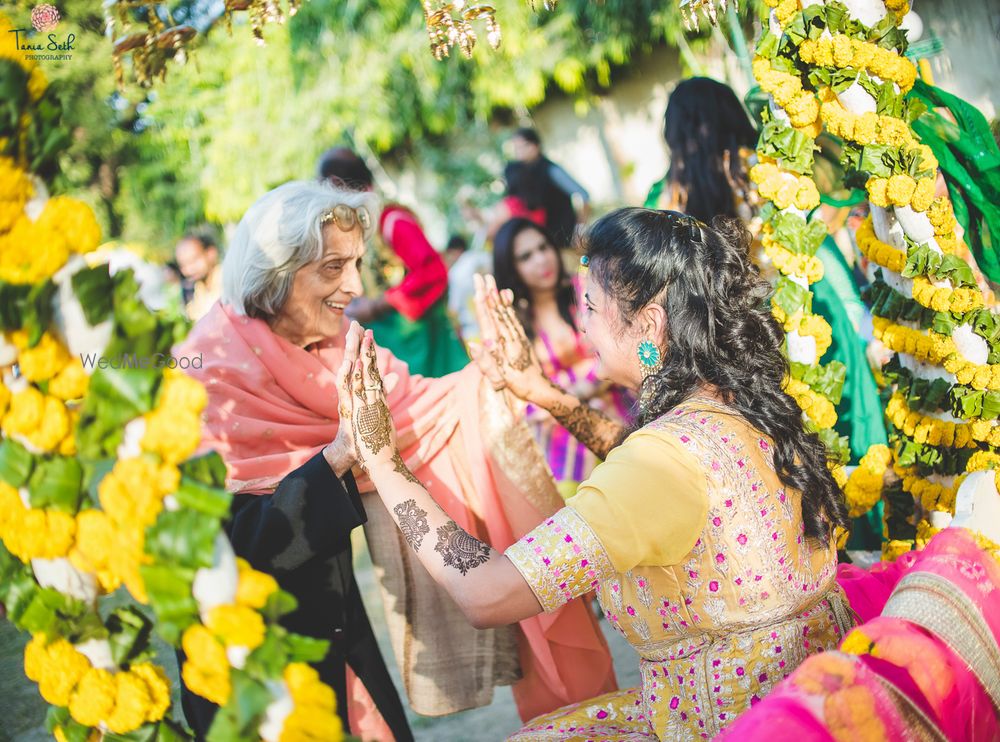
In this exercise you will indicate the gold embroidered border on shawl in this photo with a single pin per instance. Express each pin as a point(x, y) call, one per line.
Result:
point(932, 602)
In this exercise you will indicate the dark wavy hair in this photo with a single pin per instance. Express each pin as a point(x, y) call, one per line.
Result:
point(507, 277)
point(720, 332)
point(704, 119)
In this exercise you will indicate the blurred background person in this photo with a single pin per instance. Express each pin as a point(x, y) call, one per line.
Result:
point(197, 257)
point(547, 300)
point(463, 264)
point(406, 280)
point(709, 136)
point(457, 247)
point(565, 201)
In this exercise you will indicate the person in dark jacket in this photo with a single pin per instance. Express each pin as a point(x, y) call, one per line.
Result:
point(295, 503)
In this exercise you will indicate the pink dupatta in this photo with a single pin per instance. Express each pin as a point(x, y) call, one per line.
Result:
point(933, 671)
point(273, 405)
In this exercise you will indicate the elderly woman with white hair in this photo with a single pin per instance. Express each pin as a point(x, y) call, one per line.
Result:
point(274, 365)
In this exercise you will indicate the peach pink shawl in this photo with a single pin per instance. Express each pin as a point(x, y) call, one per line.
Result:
point(273, 405)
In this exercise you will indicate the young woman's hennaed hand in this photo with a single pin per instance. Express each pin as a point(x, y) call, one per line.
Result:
point(374, 432)
point(512, 357)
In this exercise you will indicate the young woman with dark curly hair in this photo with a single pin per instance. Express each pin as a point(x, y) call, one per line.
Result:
point(708, 528)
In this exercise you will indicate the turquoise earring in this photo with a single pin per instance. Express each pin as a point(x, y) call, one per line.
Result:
point(649, 357)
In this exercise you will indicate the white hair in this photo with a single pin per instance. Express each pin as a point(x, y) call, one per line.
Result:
point(279, 234)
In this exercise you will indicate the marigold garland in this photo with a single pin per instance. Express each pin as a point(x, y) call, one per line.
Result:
point(841, 51)
point(864, 486)
point(784, 189)
point(788, 263)
point(877, 251)
point(944, 299)
point(152, 523)
point(818, 408)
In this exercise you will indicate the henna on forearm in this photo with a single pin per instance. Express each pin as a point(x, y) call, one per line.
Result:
point(460, 550)
point(591, 427)
point(412, 522)
point(399, 466)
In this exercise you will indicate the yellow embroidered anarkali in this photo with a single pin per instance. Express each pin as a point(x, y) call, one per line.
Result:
point(700, 560)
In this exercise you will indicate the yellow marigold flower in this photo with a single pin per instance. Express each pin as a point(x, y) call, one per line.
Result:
point(174, 434)
point(37, 84)
point(892, 550)
point(132, 703)
point(35, 656)
point(94, 539)
point(785, 10)
point(901, 189)
point(130, 494)
point(29, 253)
point(158, 685)
point(74, 220)
point(66, 667)
point(71, 382)
point(25, 412)
point(202, 648)
point(93, 700)
point(923, 196)
point(54, 426)
point(806, 195)
point(311, 723)
point(857, 643)
point(180, 391)
point(865, 129)
point(306, 688)
point(896, 5)
point(819, 329)
point(15, 191)
point(878, 191)
point(942, 216)
point(253, 588)
point(236, 625)
point(843, 51)
point(60, 533)
point(802, 109)
point(43, 361)
point(864, 487)
point(211, 684)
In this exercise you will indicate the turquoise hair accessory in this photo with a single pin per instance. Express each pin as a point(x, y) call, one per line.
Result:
point(649, 355)
point(585, 261)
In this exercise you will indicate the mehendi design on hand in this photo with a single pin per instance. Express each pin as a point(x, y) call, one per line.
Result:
point(459, 549)
point(374, 425)
point(592, 428)
point(509, 319)
point(412, 522)
point(399, 466)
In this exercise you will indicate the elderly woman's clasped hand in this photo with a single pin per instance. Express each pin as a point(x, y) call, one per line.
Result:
point(341, 454)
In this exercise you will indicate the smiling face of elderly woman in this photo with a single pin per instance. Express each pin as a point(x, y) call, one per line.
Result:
point(322, 289)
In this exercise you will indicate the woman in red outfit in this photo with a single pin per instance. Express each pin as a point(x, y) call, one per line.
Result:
point(406, 281)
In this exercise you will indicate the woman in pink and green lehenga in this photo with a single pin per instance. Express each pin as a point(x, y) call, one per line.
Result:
point(547, 303)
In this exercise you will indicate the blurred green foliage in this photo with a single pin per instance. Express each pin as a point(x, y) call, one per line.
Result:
point(238, 118)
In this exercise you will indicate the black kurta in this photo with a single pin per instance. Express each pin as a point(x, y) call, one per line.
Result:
point(301, 534)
